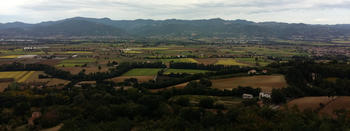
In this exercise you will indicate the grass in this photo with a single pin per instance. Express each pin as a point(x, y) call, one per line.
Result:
point(142, 72)
point(190, 71)
point(186, 60)
point(229, 62)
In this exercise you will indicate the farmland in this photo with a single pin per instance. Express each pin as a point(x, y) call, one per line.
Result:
point(19, 76)
point(186, 60)
point(189, 71)
point(142, 72)
point(230, 62)
point(266, 83)
point(330, 104)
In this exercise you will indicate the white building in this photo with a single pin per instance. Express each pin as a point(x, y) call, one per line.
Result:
point(247, 96)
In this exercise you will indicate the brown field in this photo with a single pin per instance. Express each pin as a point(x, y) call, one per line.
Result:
point(207, 61)
point(309, 102)
point(4, 85)
point(49, 81)
point(139, 78)
point(313, 103)
point(265, 82)
point(76, 70)
point(179, 86)
point(50, 62)
point(341, 102)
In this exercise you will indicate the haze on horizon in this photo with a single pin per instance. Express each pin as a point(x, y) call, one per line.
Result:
point(290, 11)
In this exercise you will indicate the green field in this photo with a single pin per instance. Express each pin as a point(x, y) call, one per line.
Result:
point(187, 60)
point(189, 71)
point(142, 72)
point(252, 61)
point(76, 62)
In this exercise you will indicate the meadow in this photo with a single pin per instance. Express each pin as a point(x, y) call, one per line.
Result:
point(229, 61)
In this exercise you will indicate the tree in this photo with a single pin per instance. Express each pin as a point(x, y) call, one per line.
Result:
point(183, 101)
point(277, 97)
point(206, 102)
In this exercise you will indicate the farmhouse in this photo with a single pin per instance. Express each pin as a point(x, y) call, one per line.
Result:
point(247, 96)
point(264, 95)
point(251, 72)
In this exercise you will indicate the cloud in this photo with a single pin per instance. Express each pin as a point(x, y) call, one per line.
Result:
point(308, 11)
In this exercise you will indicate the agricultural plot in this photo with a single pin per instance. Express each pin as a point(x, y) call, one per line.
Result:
point(186, 60)
point(75, 62)
point(226, 101)
point(265, 82)
point(9, 56)
point(142, 72)
point(329, 104)
point(132, 52)
point(189, 71)
point(230, 61)
point(139, 78)
point(252, 61)
point(19, 76)
point(207, 61)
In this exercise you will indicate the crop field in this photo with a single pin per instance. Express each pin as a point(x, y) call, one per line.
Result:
point(265, 82)
point(189, 71)
point(9, 56)
point(251, 61)
point(78, 52)
point(139, 78)
point(207, 61)
point(309, 102)
point(142, 72)
point(19, 76)
point(152, 48)
point(188, 60)
point(132, 52)
point(194, 99)
point(331, 104)
point(75, 62)
point(230, 61)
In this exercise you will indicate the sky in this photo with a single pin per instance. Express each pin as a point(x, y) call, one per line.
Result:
point(290, 11)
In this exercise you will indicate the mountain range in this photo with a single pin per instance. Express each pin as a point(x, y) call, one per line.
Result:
point(85, 27)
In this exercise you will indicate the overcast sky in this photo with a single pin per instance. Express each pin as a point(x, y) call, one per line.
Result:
point(291, 11)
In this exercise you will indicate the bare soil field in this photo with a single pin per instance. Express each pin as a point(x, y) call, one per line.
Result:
point(265, 82)
point(179, 86)
point(330, 104)
point(312, 103)
point(139, 78)
point(4, 85)
point(341, 102)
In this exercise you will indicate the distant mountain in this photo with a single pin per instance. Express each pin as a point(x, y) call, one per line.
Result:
point(80, 26)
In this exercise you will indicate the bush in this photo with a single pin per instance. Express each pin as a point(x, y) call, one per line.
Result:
point(183, 101)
